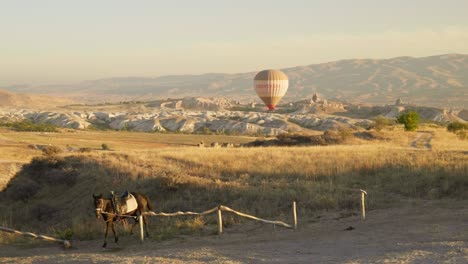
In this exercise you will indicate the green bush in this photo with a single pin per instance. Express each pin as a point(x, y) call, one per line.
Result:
point(66, 234)
point(457, 126)
point(28, 126)
point(104, 146)
point(410, 119)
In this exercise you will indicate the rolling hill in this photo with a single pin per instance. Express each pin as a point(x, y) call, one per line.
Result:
point(20, 100)
point(440, 81)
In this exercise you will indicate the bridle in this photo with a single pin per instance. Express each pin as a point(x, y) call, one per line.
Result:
point(100, 209)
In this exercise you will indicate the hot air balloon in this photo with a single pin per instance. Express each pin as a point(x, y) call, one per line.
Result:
point(270, 86)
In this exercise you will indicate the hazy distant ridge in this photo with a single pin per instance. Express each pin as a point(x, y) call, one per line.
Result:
point(437, 80)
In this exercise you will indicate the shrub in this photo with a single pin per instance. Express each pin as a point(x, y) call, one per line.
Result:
point(292, 140)
point(51, 150)
point(457, 126)
point(66, 234)
point(328, 138)
point(332, 137)
point(345, 133)
point(85, 150)
point(380, 122)
point(104, 146)
point(409, 119)
point(28, 126)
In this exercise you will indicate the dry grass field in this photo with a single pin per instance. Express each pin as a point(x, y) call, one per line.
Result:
point(17, 148)
point(51, 194)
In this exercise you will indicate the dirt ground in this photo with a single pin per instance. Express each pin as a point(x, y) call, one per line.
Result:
point(419, 232)
point(422, 140)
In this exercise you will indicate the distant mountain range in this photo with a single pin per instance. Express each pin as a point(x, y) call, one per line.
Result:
point(440, 81)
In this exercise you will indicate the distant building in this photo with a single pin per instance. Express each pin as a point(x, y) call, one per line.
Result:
point(399, 101)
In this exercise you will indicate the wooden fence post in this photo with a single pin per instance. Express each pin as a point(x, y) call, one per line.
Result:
point(363, 206)
point(142, 234)
point(220, 221)
point(294, 214)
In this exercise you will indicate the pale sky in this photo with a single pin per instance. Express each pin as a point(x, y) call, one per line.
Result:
point(66, 41)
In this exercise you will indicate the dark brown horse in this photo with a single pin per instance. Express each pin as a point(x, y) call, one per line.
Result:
point(105, 210)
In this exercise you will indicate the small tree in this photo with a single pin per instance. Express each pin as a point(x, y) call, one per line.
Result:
point(410, 119)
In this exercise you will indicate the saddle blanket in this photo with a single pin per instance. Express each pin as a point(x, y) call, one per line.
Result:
point(128, 204)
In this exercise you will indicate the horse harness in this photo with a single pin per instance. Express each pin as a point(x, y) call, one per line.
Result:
point(101, 210)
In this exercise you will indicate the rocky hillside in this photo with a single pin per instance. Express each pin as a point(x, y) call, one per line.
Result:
point(219, 115)
point(440, 81)
point(190, 115)
point(230, 122)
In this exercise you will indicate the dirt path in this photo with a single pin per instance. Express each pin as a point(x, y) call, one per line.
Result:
point(422, 233)
point(422, 140)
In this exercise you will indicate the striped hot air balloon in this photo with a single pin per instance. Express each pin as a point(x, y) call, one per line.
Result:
point(271, 86)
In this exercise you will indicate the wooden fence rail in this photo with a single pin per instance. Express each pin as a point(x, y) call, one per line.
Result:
point(280, 223)
point(221, 208)
point(179, 213)
point(65, 243)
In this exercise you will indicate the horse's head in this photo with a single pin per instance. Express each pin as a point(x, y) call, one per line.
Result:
point(98, 205)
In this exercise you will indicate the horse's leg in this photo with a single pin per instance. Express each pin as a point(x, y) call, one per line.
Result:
point(105, 235)
point(145, 221)
point(133, 226)
point(116, 238)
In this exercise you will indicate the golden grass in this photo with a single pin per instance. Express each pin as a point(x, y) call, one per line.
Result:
point(261, 181)
point(116, 139)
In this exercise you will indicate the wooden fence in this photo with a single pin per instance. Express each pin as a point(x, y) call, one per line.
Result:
point(218, 210)
point(66, 243)
point(221, 208)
